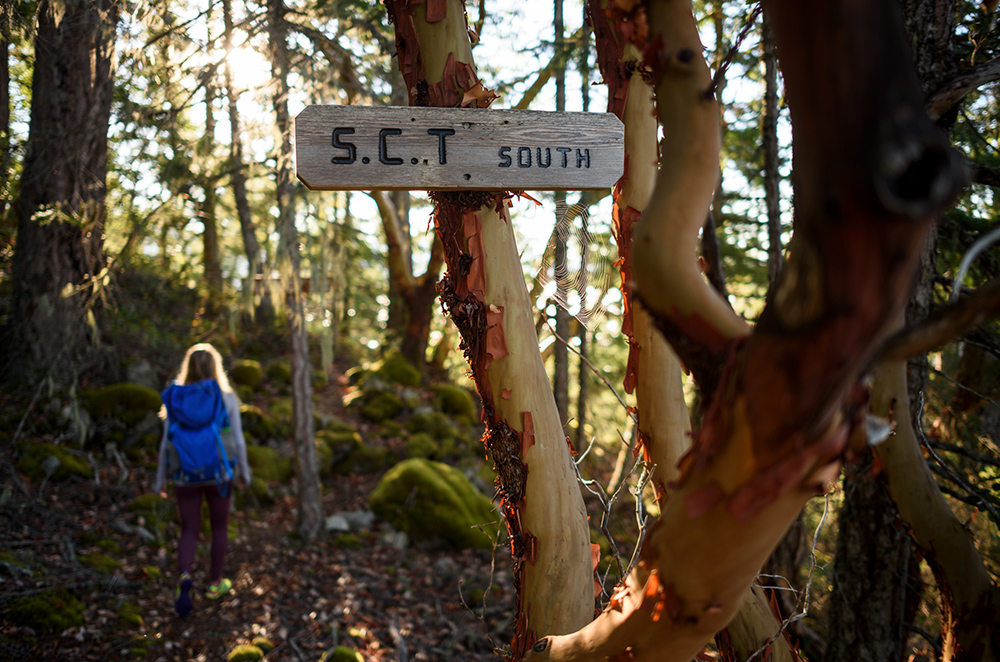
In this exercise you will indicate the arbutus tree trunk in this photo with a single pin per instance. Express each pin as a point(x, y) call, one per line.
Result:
point(310, 508)
point(485, 293)
point(60, 205)
point(784, 403)
point(653, 371)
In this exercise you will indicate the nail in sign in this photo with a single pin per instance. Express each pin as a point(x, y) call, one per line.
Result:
point(339, 148)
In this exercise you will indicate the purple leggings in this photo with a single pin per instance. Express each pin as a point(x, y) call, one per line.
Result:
point(189, 508)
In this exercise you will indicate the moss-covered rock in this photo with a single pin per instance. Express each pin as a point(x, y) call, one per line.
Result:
point(421, 444)
point(268, 465)
point(247, 372)
point(382, 406)
point(334, 424)
point(261, 490)
point(341, 444)
point(433, 423)
point(324, 457)
point(391, 430)
point(279, 373)
point(154, 513)
point(342, 654)
point(245, 653)
point(364, 459)
point(281, 409)
point(347, 541)
point(256, 423)
point(130, 614)
point(457, 401)
point(431, 500)
point(102, 562)
point(394, 368)
point(49, 612)
point(130, 403)
point(35, 463)
point(263, 643)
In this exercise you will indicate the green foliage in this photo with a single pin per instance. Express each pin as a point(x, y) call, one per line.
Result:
point(268, 465)
point(246, 372)
point(127, 402)
point(457, 401)
point(101, 562)
point(432, 500)
point(383, 406)
point(245, 653)
point(50, 612)
point(66, 464)
point(342, 654)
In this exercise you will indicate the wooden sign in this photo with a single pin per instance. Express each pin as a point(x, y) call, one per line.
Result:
point(339, 148)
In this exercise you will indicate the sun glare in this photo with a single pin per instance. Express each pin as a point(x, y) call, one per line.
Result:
point(250, 69)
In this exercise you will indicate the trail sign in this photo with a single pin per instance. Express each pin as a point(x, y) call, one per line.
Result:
point(340, 148)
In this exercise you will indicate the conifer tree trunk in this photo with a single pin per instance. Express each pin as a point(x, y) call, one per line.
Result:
point(6, 156)
point(208, 211)
point(310, 513)
point(60, 205)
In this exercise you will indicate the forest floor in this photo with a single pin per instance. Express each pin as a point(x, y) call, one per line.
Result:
point(387, 603)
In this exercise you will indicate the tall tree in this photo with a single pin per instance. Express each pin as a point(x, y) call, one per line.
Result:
point(310, 512)
point(560, 380)
point(60, 204)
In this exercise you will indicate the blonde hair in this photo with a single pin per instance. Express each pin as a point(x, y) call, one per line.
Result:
point(202, 361)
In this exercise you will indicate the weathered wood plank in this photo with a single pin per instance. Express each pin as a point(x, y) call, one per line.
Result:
point(385, 147)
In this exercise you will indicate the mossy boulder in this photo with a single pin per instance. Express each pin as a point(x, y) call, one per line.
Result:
point(256, 423)
point(394, 368)
point(324, 457)
point(347, 541)
point(268, 464)
point(130, 614)
point(103, 562)
point(364, 459)
point(431, 500)
point(382, 406)
point(433, 423)
point(279, 373)
point(247, 372)
point(341, 444)
point(245, 653)
point(423, 445)
point(263, 643)
point(50, 612)
point(342, 654)
point(261, 490)
point(35, 463)
point(457, 401)
point(130, 403)
point(334, 424)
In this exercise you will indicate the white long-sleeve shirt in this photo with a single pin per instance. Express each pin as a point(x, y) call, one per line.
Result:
point(232, 405)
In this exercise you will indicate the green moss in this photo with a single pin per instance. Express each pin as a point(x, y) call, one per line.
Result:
point(433, 423)
point(263, 643)
point(245, 653)
point(456, 401)
point(336, 425)
point(256, 423)
point(279, 373)
point(34, 457)
point(50, 612)
point(152, 571)
point(342, 654)
point(348, 541)
point(391, 429)
point(260, 489)
point(110, 546)
point(127, 402)
point(324, 457)
point(101, 562)
point(246, 372)
point(130, 614)
point(363, 459)
point(268, 465)
point(382, 407)
point(155, 513)
point(429, 500)
point(281, 409)
point(394, 368)
point(421, 444)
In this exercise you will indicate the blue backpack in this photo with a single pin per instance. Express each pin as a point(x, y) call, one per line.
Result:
point(198, 418)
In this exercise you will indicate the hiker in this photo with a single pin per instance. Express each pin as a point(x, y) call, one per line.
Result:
point(202, 444)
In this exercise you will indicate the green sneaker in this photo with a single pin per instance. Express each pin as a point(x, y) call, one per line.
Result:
point(219, 589)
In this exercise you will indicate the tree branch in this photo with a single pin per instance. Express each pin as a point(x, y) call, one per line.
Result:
point(943, 325)
point(958, 88)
